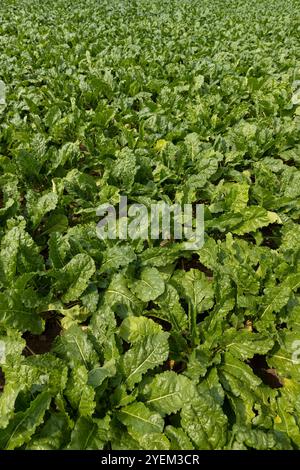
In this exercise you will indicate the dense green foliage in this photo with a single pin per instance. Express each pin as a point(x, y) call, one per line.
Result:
point(176, 100)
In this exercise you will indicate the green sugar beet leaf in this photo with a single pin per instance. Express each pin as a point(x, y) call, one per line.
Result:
point(204, 422)
point(24, 423)
point(89, 434)
point(73, 278)
point(167, 393)
point(150, 286)
point(139, 420)
point(144, 355)
point(75, 348)
point(38, 206)
point(134, 329)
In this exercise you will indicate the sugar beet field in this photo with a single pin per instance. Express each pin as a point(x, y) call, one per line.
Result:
point(143, 342)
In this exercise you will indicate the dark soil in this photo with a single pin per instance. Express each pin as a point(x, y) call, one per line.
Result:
point(41, 344)
point(268, 375)
point(2, 380)
point(193, 263)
